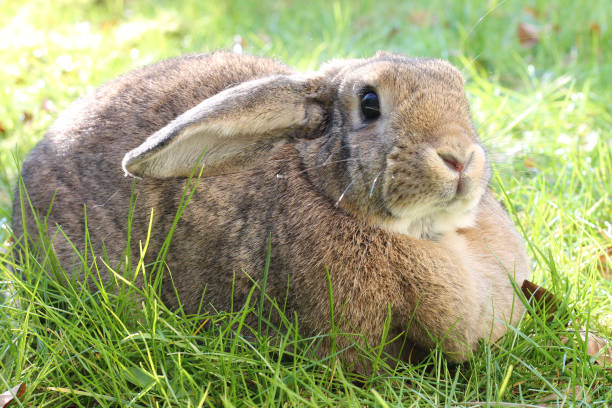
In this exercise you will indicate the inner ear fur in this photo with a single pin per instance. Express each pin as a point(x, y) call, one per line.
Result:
point(233, 129)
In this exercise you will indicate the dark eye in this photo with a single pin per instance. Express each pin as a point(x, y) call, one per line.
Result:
point(370, 106)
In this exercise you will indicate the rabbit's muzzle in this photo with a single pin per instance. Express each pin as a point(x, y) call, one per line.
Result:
point(424, 179)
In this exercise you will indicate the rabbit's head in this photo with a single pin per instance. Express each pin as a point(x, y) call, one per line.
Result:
point(387, 139)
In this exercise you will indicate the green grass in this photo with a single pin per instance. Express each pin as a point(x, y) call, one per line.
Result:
point(543, 112)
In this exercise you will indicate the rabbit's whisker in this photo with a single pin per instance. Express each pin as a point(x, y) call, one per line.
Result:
point(328, 157)
point(107, 200)
point(334, 152)
point(343, 193)
point(374, 183)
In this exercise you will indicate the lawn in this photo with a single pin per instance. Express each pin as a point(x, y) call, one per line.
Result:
point(539, 80)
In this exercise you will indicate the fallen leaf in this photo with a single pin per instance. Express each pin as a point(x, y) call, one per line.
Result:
point(532, 11)
point(48, 106)
point(541, 299)
point(26, 117)
point(14, 393)
point(598, 347)
point(421, 18)
point(108, 25)
point(530, 163)
point(393, 32)
point(528, 34)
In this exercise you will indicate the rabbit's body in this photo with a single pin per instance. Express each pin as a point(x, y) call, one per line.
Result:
point(327, 202)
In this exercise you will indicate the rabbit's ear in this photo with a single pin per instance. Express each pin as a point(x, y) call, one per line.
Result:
point(233, 129)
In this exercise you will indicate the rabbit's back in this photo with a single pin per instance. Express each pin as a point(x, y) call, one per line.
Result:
point(77, 165)
point(122, 113)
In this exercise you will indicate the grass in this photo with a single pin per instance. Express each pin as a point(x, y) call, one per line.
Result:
point(543, 112)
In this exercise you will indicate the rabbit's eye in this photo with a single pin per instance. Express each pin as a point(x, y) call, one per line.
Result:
point(370, 106)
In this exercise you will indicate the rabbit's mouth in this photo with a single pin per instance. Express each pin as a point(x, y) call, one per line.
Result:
point(432, 220)
point(429, 191)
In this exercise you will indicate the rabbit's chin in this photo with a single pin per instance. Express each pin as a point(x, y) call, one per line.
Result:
point(425, 223)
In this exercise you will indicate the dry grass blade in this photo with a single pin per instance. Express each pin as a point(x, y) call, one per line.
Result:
point(571, 394)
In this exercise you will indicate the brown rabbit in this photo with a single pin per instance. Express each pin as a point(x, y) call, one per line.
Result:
point(368, 170)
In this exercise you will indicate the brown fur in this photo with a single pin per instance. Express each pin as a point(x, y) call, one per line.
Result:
point(288, 157)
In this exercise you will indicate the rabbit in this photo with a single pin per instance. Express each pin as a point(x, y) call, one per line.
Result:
point(365, 179)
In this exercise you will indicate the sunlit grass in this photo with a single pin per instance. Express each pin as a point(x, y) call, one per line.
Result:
point(543, 113)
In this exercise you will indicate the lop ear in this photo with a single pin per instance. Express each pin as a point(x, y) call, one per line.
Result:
point(233, 129)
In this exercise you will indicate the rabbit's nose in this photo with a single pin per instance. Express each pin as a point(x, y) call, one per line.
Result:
point(453, 162)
